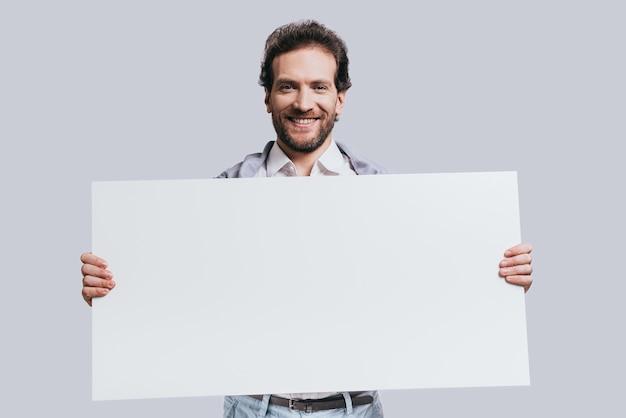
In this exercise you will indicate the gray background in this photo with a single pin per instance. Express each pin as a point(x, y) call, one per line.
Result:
point(163, 90)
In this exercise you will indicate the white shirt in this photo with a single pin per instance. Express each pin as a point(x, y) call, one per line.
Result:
point(331, 163)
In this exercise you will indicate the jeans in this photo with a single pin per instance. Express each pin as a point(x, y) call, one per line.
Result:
point(247, 407)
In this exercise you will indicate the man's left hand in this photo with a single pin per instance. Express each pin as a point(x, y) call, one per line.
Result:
point(515, 267)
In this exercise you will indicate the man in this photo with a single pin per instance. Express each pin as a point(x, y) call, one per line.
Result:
point(305, 76)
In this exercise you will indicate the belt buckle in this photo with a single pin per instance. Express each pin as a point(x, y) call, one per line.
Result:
point(308, 405)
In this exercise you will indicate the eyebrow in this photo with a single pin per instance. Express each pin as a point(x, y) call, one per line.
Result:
point(290, 81)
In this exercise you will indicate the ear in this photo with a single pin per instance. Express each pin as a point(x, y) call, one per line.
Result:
point(268, 101)
point(341, 97)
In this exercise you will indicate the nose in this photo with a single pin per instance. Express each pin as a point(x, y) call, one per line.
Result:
point(304, 100)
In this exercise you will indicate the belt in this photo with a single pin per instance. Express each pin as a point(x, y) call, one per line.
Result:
point(309, 405)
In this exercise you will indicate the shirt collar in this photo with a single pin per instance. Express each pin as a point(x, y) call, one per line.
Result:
point(277, 160)
point(330, 162)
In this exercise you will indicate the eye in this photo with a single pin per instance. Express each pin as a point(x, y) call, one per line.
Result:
point(321, 87)
point(287, 87)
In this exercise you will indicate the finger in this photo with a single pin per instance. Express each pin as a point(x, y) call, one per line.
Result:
point(86, 298)
point(520, 270)
point(93, 292)
point(89, 258)
point(524, 281)
point(516, 260)
point(518, 249)
point(92, 270)
point(92, 281)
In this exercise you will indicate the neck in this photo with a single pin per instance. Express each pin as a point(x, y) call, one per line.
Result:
point(304, 161)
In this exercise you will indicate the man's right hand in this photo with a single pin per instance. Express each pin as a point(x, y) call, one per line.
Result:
point(97, 280)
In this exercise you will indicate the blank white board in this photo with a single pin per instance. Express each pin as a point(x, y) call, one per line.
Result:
point(307, 284)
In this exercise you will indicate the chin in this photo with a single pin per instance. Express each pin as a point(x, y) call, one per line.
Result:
point(307, 146)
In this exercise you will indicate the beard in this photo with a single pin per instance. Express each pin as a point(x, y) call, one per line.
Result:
point(327, 123)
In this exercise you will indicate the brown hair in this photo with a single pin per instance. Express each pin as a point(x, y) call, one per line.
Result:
point(305, 33)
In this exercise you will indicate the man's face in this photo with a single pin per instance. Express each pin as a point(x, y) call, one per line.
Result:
point(304, 100)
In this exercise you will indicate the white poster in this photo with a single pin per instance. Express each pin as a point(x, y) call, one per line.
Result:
point(307, 284)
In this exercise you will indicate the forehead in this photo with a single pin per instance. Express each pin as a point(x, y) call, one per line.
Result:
point(304, 64)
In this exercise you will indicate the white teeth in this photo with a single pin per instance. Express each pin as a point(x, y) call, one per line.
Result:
point(303, 121)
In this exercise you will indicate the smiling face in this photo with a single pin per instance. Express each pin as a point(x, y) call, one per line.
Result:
point(304, 101)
